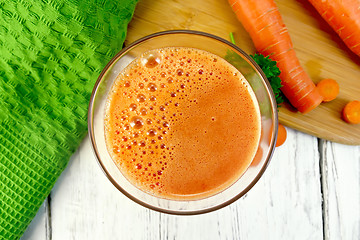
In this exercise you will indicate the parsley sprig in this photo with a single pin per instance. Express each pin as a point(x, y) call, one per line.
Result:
point(272, 73)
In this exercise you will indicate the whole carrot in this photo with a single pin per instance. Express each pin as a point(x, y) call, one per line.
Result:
point(344, 17)
point(263, 22)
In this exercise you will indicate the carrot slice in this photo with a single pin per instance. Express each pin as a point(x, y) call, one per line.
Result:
point(343, 16)
point(351, 112)
point(282, 135)
point(263, 22)
point(328, 88)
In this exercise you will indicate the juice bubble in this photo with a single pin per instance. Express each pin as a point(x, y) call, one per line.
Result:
point(135, 134)
point(151, 60)
point(143, 111)
point(152, 87)
point(180, 72)
point(116, 149)
point(141, 98)
point(136, 122)
point(127, 84)
point(151, 132)
point(132, 107)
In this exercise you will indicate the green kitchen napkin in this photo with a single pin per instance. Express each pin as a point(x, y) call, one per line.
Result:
point(51, 53)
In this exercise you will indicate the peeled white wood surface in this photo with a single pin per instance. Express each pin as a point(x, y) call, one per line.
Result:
point(285, 201)
point(342, 189)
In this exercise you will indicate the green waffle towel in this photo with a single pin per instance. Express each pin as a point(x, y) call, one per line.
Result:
point(51, 53)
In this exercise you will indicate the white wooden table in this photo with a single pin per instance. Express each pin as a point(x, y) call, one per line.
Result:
point(311, 190)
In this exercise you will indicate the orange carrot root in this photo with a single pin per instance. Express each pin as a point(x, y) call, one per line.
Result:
point(351, 112)
point(328, 88)
point(344, 17)
point(263, 22)
point(282, 135)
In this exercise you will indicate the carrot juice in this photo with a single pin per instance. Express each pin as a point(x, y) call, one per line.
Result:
point(182, 123)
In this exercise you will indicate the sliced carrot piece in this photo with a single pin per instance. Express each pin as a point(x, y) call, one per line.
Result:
point(351, 112)
point(328, 88)
point(282, 135)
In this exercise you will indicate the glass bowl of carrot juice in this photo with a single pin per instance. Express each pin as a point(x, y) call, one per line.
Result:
point(183, 122)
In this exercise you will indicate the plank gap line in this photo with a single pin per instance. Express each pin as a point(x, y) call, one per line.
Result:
point(323, 187)
point(48, 223)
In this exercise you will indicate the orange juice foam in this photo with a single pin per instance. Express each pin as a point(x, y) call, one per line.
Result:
point(182, 123)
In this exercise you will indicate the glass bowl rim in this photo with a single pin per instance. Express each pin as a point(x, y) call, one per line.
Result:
point(159, 209)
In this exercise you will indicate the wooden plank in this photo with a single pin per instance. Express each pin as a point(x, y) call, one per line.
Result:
point(38, 228)
point(341, 180)
point(320, 51)
point(86, 206)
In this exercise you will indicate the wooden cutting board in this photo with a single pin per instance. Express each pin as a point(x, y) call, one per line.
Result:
point(320, 51)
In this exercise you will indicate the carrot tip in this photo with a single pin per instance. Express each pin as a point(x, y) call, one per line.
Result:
point(313, 100)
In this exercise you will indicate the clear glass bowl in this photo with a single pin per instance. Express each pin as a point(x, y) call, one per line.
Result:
point(212, 44)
